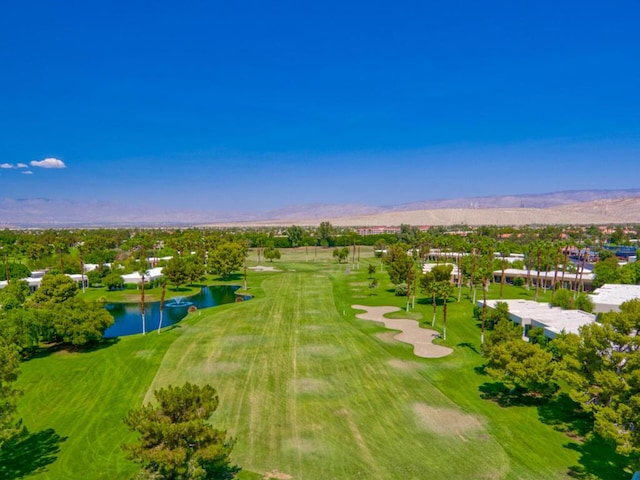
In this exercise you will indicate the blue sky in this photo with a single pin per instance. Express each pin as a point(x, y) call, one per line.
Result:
point(256, 105)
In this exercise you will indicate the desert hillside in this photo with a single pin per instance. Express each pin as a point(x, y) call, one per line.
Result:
point(624, 210)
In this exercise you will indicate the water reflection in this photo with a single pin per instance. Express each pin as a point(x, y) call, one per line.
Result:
point(128, 320)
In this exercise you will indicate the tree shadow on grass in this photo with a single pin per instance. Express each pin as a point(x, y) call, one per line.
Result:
point(28, 453)
point(598, 460)
point(566, 415)
point(470, 346)
point(505, 397)
point(232, 277)
point(428, 301)
point(50, 349)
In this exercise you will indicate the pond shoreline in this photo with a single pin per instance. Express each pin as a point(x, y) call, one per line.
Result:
point(128, 316)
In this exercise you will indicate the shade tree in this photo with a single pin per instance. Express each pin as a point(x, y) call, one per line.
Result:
point(227, 258)
point(295, 234)
point(341, 254)
point(76, 322)
point(271, 254)
point(398, 263)
point(325, 234)
point(175, 439)
point(175, 271)
point(195, 269)
point(519, 365)
point(54, 288)
point(9, 370)
point(113, 281)
point(602, 367)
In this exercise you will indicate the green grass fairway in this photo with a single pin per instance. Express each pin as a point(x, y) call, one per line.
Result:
point(307, 390)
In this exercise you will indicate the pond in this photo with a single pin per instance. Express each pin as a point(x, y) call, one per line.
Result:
point(128, 321)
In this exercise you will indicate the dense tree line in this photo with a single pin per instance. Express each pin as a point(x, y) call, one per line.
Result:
point(51, 315)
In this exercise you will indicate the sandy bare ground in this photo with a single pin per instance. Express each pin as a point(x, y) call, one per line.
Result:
point(262, 268)
point(598, 212)
point(420, 338)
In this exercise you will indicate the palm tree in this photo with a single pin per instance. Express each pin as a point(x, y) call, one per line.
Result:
point(459, 245)
point(557, 255)
point(143, 272)
point(565, 252)
point(445, 288)
point(585, 255)
point(537, 249)
point(505, 251)
point(81, 254)
point(485, 272)
point(428, 285)
point(164, 285)
point(431, 283)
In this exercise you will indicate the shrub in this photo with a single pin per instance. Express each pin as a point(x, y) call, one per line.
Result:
point(401, 290)
point(563, 299)
point(584, 303)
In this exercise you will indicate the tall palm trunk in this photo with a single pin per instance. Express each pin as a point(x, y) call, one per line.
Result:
point(444, 318)
point(459, 278)
point(82, 271)
point(472, 282)
point(245, 272)
point(484, 308)
point(144, 326)
point(582, 264)
point(502, 278)
point(555, 272)
point(408, 288)
point(539, 259)
point(433, 299)
point(564, 266)
point(164, 285)
point(528, 272)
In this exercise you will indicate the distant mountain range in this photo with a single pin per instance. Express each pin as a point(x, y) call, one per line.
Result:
point(580, 206)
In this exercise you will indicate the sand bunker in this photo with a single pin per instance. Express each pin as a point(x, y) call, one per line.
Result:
point(420, 338)
point(276, 475)
point(262, 268)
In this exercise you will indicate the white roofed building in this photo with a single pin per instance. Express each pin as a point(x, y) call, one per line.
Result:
point(610, 296)
point(152, 274)
point(34, 282)
point(547, 278)
point(553, 320)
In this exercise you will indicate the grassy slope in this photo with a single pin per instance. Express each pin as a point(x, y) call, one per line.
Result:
point(84, 397)
point(305, 388)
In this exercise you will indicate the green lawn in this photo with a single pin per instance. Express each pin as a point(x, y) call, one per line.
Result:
point(307, 390)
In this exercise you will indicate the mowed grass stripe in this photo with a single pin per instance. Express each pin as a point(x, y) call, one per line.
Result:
point(313, 396)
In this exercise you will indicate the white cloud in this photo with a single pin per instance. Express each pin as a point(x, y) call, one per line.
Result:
point(6, 165)
point(22, 165)
point(48, 163)
point(27, 172)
